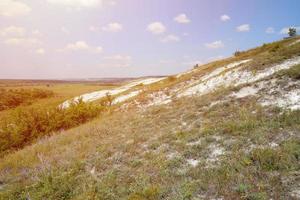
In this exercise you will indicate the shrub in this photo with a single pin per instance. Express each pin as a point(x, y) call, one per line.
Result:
point(107, 101)
point(275, 48)
point(196, 66)
point(238, 53)
point(292, 32)
point(14, 97)
point(25, 125)
point(172, 78)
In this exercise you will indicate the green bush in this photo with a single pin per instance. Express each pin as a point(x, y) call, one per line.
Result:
point(14, 97)
point(25, 125)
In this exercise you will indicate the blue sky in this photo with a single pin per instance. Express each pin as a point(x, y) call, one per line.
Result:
point(125, 38)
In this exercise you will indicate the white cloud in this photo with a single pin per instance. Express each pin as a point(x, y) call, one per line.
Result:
point(14, 31)
point(243, 28)
point(285, 30)
point(170, 38)
point(156, 28)
point(22, 41)
point(99, 50)
point(119, 57)
point(225, 18)
point(270, 30)
point(65, 30)
point(40, 51)
point(79, 45)
point(11, 8)
point(113, 27)
point(182, 19)
point(215, 45)
point(36, 32)
point(77, 3)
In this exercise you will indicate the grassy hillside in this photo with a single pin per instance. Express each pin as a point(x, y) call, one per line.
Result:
point(210, 146)
point(31, 111)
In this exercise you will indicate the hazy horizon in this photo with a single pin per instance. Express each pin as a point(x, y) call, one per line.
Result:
point(77, 39)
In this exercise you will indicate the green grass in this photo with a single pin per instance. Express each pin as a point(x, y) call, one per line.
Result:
point(123, 166)
point(143, 154)
point(24, 126)
point(284, 158)
point(31, 111)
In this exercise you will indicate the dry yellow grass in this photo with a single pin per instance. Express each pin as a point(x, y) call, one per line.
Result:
point(151, 154)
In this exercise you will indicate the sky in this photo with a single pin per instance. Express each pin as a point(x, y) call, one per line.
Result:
point(65, 39)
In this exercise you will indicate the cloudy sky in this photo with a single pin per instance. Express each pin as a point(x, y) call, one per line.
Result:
point(44, 39)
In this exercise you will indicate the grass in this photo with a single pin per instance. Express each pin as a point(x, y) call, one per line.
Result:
point(123, 165)
point(24, 126)
point(62, 91)
point(31, 111)
point(293, 72)
point(144, 154)
point(14, 98)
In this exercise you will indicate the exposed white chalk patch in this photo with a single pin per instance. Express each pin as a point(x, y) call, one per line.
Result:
point(215, 152)
point(93, 171)
point(194, 143)
point(293, 43)
point(295, 193)
point(125, 97)
point(102, 93)
point(245, 91)
point(273, 144)
point(236, 77)
point(288, 100)
point(193, 162)
point(219, 70)
point(158, 98)
point(172, 155)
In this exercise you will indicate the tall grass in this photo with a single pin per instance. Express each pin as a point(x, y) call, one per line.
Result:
point(24, 125)
point(14, 97)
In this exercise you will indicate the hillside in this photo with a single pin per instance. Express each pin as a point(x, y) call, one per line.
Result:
point(229, 129)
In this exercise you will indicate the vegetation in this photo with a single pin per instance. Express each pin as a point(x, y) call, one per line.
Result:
point(238, 53)
point(121, 169)
point(272, 53)
point(293, 72)
point(200, 147)
point(292, 32)
point(11, 98)
point(25, 125)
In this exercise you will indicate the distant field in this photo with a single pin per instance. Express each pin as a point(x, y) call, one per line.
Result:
point(30, 109)
point(62, 90)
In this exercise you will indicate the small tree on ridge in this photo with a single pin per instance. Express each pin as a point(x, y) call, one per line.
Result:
point(292, 32)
